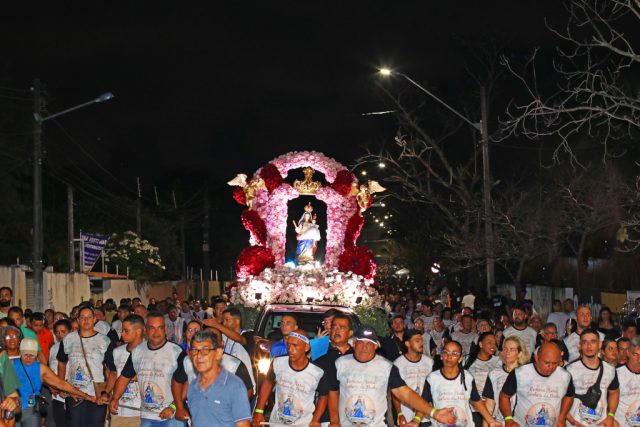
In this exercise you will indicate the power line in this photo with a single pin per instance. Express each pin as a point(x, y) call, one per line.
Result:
point(105, 170)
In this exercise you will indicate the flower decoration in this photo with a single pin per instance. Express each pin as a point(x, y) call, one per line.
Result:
point(342, 184)
point(354, 227)
point(255, 226)
point(238, 195)
point(272, 177)
point(319, 286)
point(253, 260)
point(140, 256)
point(359, 261)
point(299, 159)
point(267, 221)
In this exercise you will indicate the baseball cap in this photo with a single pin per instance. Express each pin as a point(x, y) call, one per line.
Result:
point(29, 346)
point(411, 333)
point(367, 333)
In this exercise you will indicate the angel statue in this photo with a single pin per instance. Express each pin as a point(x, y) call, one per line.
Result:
point(363, 193)
point(250, 189)
point(307, 235)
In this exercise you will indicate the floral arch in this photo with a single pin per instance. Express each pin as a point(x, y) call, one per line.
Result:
point(267, 194)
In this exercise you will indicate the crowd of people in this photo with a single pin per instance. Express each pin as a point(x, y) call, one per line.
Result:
point(172, 363)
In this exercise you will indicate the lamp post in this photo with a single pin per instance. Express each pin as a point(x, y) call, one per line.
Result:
point(486, 170)
point(38, 240)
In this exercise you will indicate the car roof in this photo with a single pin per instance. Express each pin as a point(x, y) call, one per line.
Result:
point(308, 308)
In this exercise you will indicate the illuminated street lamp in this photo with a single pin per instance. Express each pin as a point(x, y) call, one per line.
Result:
point(484, 135)
point(38, 239)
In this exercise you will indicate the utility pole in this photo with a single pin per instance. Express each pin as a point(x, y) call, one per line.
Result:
point(205, 244)
point(139, 210)
point(488, 209)
point(70, 229)
point(183, 257)
point(38, 239)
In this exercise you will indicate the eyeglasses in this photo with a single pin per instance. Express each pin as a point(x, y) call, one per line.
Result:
point(193, 329)
point(11, 337)
point(447, 353)
point(203, 351)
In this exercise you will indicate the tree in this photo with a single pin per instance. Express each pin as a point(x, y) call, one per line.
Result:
point(592, 202)
point(594, 90)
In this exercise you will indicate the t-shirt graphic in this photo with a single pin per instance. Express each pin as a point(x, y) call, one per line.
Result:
point(295, 391)
point(153, 397)
point(628, 412)
point(583, 378)
point(541, 414)
point(129, 404)
point(360, 411)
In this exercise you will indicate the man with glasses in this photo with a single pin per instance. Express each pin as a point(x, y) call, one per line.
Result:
point(155, 364)
point(237, 342)
point(628, 412)
point(549, 333)
point(216, 397)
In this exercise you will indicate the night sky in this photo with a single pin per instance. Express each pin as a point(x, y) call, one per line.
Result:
point(210, 91)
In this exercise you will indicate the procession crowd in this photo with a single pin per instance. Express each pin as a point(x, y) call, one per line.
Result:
point(172, 363)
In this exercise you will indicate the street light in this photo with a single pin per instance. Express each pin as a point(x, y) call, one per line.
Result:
point(38, 240)
point(484, 135)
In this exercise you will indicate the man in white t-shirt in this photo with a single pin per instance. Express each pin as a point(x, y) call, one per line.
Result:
point(297, 382)
point(628, 411)
point(520, 329)
point(81, 359)
point(590, 371)
point(129, 404)
point(466, 336)
point(155, 364)
point(362, 381)
point(558, 317)
point(174, 325)
point(583, 321)
point(414, 368)
point(544, 392)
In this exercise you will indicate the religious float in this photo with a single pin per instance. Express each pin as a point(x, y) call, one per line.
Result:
point(345, 276)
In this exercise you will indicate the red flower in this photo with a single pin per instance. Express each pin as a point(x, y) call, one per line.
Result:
point(343, 181)
point(255, 225)
point(358, 260)
point(238, 195)
point(253, 260)
point(352, 231)
point(271, 176)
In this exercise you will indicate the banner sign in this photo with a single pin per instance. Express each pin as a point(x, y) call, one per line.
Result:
point(93, 245)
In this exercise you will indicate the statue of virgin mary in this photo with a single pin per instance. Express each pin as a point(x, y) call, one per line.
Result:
point(307, 235)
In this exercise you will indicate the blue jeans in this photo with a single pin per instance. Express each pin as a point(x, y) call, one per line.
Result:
point(145, 422)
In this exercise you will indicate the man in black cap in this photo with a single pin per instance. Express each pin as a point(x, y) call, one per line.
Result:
point(358, 393)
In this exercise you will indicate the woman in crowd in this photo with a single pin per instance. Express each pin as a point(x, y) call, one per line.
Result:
point(192, 327)
point(513, 356)
point(609, 351)
point(32, 375)
point(12, 337)
point(452, 386)
point(606, 325)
